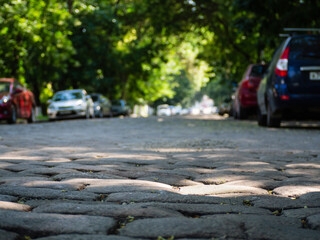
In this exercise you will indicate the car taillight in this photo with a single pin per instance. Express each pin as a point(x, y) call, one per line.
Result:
point(247, 84)
point(282, 64)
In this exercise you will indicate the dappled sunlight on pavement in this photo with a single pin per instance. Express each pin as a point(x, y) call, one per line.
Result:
point(187, 177)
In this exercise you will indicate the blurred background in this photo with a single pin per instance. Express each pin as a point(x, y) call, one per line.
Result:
point(151, 53)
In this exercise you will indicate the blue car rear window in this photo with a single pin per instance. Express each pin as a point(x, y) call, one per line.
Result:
point(306, 47)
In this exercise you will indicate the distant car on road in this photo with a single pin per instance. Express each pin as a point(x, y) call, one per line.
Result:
point(291, 87)
point(120, 107)
point(102, 105)
point(163, 110)
point(245, 98)
point(70, 104)
point(225, 107)
point(16, 101)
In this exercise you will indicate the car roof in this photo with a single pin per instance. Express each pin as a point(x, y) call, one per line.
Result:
point(73, 90)
point(6, 79)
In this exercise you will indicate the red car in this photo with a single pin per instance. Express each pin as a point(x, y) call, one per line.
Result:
point(16, 101)
point(245, 98)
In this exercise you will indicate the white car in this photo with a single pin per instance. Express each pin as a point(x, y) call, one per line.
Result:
point(163, 110)
point(69, 104)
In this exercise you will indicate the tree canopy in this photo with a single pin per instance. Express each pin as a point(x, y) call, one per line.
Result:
point(143, 51)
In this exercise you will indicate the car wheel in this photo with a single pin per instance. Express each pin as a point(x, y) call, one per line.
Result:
point(13, 117)
point(262, 119)
point(241, 113)
point(100, 114)
point(271, 120)
point(32, 117)
point(87, 114)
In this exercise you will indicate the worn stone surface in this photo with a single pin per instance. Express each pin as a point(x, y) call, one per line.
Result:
point(5, 235)
point(187, 178)
point(28, 192)
point(84, 237)
point(40, 224)
point(14, 206)
point(111, 210)
point(314, 221)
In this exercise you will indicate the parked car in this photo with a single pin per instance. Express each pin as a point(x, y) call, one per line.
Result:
point(291, 86)
point(163, 110)
point(245, 98)
point(226, 107)
point(120, 107)
point(102, 105)
point(16, 101)
point(70, 104)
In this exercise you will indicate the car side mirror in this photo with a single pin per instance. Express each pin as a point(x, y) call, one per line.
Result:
point(49, 101)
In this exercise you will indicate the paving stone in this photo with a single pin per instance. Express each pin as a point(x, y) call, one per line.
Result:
point(256, 183)
point(14, 206)
point(28, 192)
point(87, 168)
point(5, 173)
point(311, 196)
point(183, 227)
point(302, 172)
point(301, 212)
point(276, 175)
point(295, 191)
point(281, 202)
point(314, 222)
point(171, 180)
point(220, 189)
point(45, 171)
point(86, 237)
point(268, 230)
point(110, 210)
point(5, 235)
point(40, 224)
point(167, 197)
point(228, 226)
point(38, 182)
point(92, 175)
point(122, 185)
point(21, 167)
point(8, 198)
point(303, 165)
point(210, 209)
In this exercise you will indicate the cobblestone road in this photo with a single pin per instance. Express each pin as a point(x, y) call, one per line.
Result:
point(159, 178)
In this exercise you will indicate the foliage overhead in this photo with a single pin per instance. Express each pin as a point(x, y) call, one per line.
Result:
point(151, 51)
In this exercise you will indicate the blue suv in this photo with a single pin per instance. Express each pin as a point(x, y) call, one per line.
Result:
point(290, 89)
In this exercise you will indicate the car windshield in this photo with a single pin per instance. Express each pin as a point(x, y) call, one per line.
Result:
point(116, 102)
point(304, 48)
point(4, 87)
point(95, 98)
point(65, 96)
point(257, 71)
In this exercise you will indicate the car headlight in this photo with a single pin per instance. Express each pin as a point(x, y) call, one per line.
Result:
point(51, 107)
point(79, 103)
point(4, 99)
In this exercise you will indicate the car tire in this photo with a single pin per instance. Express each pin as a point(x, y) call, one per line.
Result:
point(32, 117)
point(262, 119)
point(87, 116)
point(100, 114)
point(13, 117)
point(241, 113)
point(271, 120)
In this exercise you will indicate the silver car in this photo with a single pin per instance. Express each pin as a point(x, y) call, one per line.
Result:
point(69, 104)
